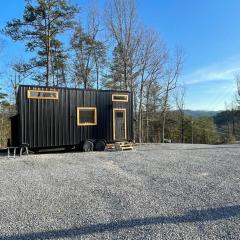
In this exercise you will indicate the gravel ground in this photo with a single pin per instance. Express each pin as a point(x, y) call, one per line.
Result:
point(162, 191)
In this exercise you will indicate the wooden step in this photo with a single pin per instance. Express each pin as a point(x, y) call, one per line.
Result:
point(110, 145)
point(119, 146)
point(126, 145)
point(127, 148)
point(122, 146)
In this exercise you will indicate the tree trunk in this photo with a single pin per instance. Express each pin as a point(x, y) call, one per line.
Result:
point(97, 75)
point(125, 76)
point(147, 117)
point(164, 115)
point(140, 112)
point(163, 125)
point(48, 47)
point(182, 130)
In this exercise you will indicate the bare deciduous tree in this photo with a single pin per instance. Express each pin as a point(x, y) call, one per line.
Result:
point(171, 77)
point(152, 57)
point(180, 104)
point(89, 50)
point(21, 71)
point(122, 24)
point(237, 77)
point(152, 92)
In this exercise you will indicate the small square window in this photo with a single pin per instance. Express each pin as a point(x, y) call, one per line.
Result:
point(120, 98)
point(86, 116)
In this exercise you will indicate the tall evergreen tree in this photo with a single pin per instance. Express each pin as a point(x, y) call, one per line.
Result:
point(115, 79)
point(42, 22)
point(59, 64)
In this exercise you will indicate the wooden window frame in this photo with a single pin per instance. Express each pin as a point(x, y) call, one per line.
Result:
point(119, 95)
point(114, 122)
point(44, 91)
point(79, 115)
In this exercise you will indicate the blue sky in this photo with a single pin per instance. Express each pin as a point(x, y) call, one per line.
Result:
point(208, 31)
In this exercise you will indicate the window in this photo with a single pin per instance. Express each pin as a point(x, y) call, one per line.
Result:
point(86, 116)
point(120, 98)
point(42, 94)
point(119, 114)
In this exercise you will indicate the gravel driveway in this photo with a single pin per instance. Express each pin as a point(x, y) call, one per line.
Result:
point(162, 191)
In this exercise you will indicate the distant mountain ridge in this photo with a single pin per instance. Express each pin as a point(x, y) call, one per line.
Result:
point(200, 113)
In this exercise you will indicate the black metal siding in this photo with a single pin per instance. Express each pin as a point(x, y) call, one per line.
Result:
point(15, 127)
point(53, 123)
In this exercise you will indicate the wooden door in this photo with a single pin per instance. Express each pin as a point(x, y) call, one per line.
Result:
point(119, 124)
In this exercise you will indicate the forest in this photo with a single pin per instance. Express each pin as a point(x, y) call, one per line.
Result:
point(111, 49)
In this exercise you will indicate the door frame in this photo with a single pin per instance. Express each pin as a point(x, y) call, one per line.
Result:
point(114, 122)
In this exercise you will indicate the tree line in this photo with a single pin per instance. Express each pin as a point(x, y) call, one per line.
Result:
point(228, 121)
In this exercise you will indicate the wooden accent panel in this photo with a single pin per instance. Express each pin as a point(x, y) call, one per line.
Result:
point(29, 94)
point(115, 97)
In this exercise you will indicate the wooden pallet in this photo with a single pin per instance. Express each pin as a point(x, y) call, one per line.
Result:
point(110, 147)
point(119, 146)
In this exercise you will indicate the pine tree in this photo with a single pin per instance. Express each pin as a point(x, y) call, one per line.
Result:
point(115, 78)
point(59, 64)
point(89, 56)
point(39, 27)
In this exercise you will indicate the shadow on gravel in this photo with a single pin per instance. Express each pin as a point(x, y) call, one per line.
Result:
point(209, 148)
point(3, 152)
point(191, 149)
point(211, 214)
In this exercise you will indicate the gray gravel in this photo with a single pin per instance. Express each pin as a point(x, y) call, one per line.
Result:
point(164, 191)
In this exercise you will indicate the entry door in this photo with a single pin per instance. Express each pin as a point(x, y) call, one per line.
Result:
point(119, 124)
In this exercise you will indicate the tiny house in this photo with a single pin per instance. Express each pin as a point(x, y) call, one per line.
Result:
point(52, 117)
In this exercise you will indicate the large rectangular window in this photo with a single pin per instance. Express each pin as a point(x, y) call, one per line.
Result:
point(86, 116)
point(42, 94)
point(119, 97)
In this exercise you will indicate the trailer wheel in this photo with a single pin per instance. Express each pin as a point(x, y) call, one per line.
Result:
point(88, 146)
point(100, 145)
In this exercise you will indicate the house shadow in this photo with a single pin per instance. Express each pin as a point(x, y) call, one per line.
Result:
point(213, 147)
point(212, 214)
